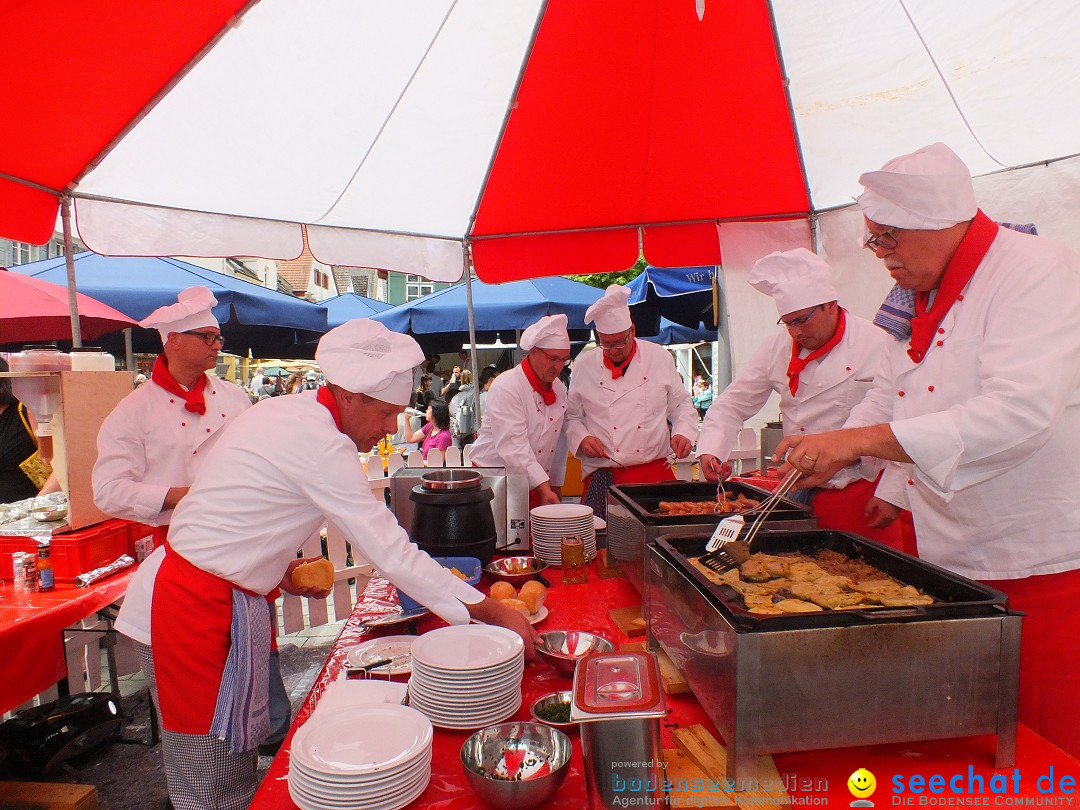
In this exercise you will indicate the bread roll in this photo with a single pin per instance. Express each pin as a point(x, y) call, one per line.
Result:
point(517, 605)
point(503, 590)
point(318, 574)
point(533, 595)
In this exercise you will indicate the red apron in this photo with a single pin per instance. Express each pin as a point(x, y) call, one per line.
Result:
point(844, 510)
point(191, 631)
point(1049, 654)
point(651, 473)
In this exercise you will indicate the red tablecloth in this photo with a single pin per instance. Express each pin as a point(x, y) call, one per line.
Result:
point(31, 633)
point(818, 777)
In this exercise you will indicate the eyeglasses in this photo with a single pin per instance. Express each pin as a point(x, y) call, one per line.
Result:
point(795, 322)
point(554, 358)
point(209, 338)
point(884, 240)
point(616, 345)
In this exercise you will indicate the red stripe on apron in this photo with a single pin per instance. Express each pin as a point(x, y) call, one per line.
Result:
point(191, 630)
point(1049, 654)
point(844, 510)
point(653, 472)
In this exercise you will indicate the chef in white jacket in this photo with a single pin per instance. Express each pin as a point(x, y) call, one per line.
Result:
point(522, 429)
point(232, 540)
point(622, 398)
point(821, 365)
point(982, 401)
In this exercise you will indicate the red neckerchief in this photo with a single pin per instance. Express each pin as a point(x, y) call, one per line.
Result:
point(194, 400)
point(326, 398)
point(797, 364)
point(969, 255)
point(546, 392)
point(618, 370)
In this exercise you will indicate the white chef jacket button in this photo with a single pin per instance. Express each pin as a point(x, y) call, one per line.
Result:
point(941, 343)
point(802, 430)
point(911, 482)
point(223, 416)
point(213, 393)
point(847, 368)
point(930, 388)
point(940, 331)
point(899, 393)
point(960, 297)
point(183, 424)
point(172, 400)
point(208, 430)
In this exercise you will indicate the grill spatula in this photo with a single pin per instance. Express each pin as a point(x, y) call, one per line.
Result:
point(724, 550)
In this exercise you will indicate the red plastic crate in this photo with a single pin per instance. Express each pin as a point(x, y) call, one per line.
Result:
point(8, 546)
point(75, 553)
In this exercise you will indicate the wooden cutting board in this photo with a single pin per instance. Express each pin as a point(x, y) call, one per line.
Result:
point(628, 619)
point(672, 680)
point(691, 786)
point(763, 786)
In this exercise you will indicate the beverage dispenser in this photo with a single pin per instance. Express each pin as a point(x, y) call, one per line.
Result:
point(39, 391)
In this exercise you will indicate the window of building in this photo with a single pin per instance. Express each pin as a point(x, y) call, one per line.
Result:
point(22, 253)
point(417, 287)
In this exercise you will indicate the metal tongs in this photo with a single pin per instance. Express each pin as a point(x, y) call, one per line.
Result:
point(724, 550)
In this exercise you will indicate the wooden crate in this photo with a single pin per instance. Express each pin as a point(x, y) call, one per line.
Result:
point(47, 796)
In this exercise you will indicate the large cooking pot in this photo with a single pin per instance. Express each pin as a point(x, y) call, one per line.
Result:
point(453, 516)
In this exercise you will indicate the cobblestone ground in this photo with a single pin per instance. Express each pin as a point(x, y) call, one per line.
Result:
point(132, 776)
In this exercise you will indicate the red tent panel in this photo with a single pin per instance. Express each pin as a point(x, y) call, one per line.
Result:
point(520, 257)
point(109, 58)
point(681, 245)
point(648, 136)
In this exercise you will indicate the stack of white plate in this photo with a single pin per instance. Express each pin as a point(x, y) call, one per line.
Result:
point(554, 521)
point(467, 676)
point(375, 757)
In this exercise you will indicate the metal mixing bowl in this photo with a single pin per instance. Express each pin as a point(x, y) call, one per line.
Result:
point(515, 569)
point(516, 765)
point(563, 648)
point(553, 699)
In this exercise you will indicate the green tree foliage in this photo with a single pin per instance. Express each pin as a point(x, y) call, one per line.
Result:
point(602, 280)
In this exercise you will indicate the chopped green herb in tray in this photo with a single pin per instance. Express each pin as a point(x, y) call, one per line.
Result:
point(555, 713)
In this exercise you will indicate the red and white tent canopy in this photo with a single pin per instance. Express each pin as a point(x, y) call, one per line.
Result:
point(547, 137)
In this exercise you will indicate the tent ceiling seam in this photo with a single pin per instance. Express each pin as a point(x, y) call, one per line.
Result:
point(947, 86)
point(390, 114)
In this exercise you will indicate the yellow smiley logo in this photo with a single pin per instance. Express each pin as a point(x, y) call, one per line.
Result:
point(862, 783)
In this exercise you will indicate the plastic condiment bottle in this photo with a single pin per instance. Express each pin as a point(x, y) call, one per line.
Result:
point(46, 582)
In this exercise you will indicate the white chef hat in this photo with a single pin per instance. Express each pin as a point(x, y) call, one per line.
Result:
point(365, 357)
point(610, 314)
point(796, 279)
point(547, 333)
point(928, 190)
point(192, 310)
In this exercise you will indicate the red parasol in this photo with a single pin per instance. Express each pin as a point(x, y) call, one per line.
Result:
point(34, 310)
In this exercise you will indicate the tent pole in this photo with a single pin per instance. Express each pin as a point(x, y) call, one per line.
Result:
point(473, 362)
point(69, 261)
point(129, 353)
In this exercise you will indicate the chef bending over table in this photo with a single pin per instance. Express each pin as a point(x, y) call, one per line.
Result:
point(279, 471)
point(822, 366)
point(981, 401)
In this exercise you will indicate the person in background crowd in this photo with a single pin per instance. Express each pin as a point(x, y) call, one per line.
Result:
point(464, 430)
point(139, 379)
point(979, 399)
point(821, 365)
point(702, 396)
point(424, 396)
point(527, 405)
point(258, 379)
point(622, 399)
point(452, 385)
point(294, 383)
point(211, 680)
point(436, 432)
point(487, 377)
point(311, 381)
point(16, 443)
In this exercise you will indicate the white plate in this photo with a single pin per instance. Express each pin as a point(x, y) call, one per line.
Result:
point(385, 647)
point(344, 694)
point(364, 741)
point(400, 797)
point(326, 787)
point(539, 616)
point(599, 524)
point(467, 647)
point(560, 510)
